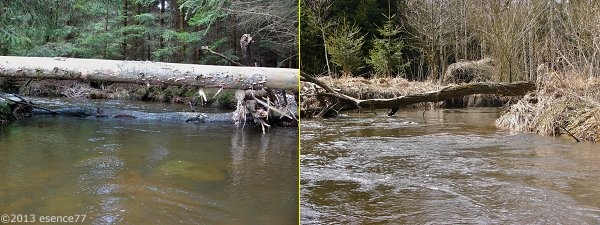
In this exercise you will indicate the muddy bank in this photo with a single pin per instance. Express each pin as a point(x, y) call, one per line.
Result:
point(107, 90)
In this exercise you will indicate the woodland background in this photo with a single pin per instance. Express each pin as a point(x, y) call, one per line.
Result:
point(418, 39)
point(156, 30)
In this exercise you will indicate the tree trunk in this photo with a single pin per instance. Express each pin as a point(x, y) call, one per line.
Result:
point(105, 52)
point(124, 43)
point(448, 92)
point(161, 40)
point(153, 73)
point(326, 55)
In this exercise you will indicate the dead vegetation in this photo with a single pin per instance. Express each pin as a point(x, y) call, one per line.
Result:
point(362, 88)
point(564, 104)
point(470, 71)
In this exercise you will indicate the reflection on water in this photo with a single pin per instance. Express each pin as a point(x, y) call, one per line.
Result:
point(124, 172)
point(448, 167)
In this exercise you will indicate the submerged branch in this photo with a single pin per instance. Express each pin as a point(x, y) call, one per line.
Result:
point(27, 103)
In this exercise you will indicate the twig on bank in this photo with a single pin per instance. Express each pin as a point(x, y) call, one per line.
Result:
point(569, 133)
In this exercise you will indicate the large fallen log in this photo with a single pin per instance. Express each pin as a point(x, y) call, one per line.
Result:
point(450, 92)
point(346, 102)
point(151, 73)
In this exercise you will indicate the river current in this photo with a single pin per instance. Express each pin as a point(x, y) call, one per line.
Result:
point(446, 166)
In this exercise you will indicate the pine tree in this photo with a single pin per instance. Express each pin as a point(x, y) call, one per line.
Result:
point(386, 55)
point(345, 48)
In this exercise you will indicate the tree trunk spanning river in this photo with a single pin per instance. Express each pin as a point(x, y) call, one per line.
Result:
point(443, 167)
point(146, 72)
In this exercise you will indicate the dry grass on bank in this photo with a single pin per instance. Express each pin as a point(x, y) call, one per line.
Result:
point(362, 88)
point(564, 103)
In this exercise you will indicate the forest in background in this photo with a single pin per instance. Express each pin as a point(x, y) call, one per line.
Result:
point(156, 30)
point(417, 39)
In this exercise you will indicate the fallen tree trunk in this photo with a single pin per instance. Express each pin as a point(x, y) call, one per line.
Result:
point(346, 102)
point(450, 92)
point(146, 72)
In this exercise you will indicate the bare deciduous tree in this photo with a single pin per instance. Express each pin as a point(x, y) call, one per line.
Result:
point(270, 23)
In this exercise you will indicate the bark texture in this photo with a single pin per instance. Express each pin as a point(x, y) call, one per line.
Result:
point(146, 72)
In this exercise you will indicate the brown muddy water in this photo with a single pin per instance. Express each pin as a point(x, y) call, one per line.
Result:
point(128, 172)
point(449, 167)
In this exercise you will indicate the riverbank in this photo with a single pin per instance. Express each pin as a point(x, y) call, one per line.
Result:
point(563, 104)
point(250, 105)
point(313, 103)
point(107, 90)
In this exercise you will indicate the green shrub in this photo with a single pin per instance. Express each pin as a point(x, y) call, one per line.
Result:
point(344, 46)
point(386, 55)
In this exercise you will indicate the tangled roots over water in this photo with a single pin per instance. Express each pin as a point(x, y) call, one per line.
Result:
point(239, 116)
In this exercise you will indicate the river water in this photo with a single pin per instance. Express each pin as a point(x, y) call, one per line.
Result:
point(443, 167)
point(136, 172)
